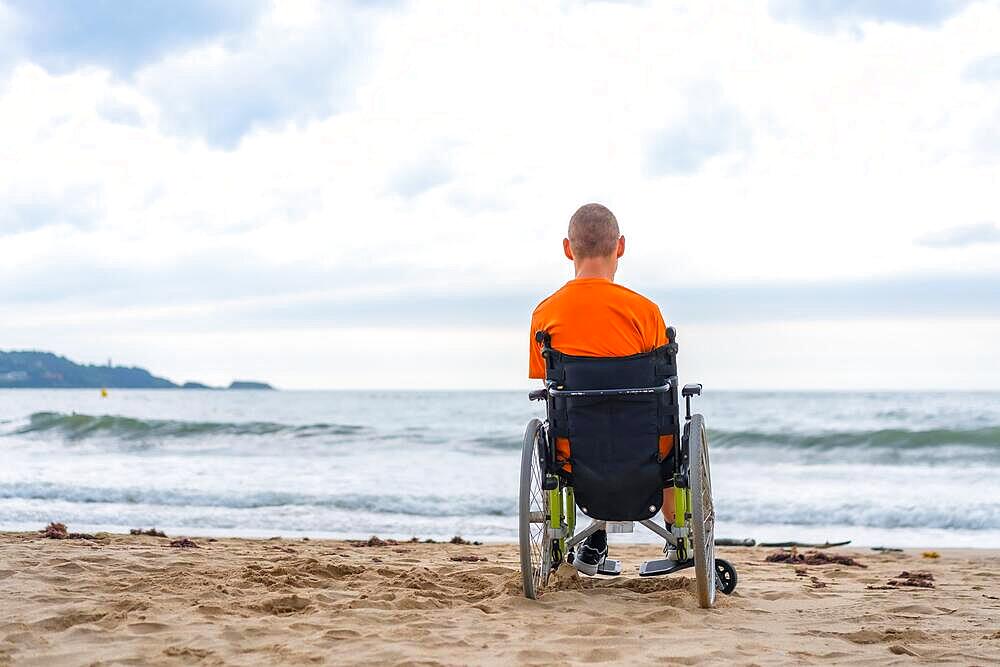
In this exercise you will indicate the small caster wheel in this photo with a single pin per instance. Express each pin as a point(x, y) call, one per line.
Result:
point(725, 576)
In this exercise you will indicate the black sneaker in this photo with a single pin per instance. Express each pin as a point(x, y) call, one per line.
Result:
point(589, 558)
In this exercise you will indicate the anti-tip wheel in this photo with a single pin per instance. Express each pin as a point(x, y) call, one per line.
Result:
point(725, 576)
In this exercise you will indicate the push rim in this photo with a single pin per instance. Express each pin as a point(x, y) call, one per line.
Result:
point(702, 512)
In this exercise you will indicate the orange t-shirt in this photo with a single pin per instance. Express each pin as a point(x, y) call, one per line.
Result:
point(594, 317)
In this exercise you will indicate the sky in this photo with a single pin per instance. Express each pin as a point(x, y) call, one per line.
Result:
point(374, 194)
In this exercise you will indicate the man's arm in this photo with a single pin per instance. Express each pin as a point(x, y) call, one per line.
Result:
point(536, 364)
point(659, 332)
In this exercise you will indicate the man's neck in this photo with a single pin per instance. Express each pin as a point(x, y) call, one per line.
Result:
point(596, 267)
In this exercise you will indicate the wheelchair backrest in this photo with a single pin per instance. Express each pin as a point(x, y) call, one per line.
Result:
point(614, 439)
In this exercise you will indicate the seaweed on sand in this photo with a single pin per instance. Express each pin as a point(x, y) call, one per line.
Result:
point(152, 532)
point(184, 543)
point(904, 578)
point(812, 558)
point(57, 531)
point(374, 541)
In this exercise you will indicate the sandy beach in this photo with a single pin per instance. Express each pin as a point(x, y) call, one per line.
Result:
point(138, 600)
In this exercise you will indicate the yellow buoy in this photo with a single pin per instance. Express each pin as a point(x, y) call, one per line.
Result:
point(104, 392)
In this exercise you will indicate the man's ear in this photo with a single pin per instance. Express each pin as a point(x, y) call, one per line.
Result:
point(567, 250)
point(621, 246)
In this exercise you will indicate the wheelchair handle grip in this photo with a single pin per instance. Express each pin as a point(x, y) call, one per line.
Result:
point(538, 395)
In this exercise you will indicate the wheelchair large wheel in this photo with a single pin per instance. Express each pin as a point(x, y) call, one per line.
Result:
point(702, 512)
point(533, 506)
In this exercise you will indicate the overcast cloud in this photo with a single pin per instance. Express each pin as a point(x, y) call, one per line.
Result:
point(200, 186)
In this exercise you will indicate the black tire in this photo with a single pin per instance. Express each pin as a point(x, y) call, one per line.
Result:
point(725, 576)
point(702, 512)
point(533, 511)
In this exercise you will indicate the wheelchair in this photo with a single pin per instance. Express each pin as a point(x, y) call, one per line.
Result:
point(614, 411)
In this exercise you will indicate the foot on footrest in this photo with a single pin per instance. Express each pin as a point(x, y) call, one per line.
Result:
point(610, 567)
point(655, 568)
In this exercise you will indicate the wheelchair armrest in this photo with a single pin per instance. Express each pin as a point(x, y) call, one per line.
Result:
point(691, 390)
point(538, 395)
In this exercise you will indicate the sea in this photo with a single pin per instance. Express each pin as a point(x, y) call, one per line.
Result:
point(894, 469)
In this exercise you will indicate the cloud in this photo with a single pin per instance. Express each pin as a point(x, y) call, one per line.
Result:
point(965, 235)
point(710, 127)
point(63, 34)
point(216, 69)
point(412, 149)
point(221, 293)
point(75, 206)
point(831, 14)
point(300, 69)
point(984, 70)
point(479, 200)
point(412, 180)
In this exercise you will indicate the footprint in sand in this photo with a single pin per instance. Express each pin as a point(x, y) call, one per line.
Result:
point(921, 609)
point(777, 595)
point(284, 604)
point(62, 622)
point(601, 654)
point(146, 628)
point(70, 568)
point(186, 652)
point(210, 610)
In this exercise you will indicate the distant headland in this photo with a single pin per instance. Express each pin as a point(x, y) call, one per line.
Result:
point(44, 370)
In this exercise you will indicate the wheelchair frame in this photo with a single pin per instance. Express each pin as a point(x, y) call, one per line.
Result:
point(547, 505)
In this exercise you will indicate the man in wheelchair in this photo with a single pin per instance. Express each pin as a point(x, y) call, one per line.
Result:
point(592, 316)
point(609, 442)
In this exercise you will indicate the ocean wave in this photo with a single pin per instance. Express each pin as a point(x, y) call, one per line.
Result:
point(980, 444)
point(498, 441)
point(986, 437)
point(977, 515)
point(403, 504)
point(965, 516)
point(82, 426)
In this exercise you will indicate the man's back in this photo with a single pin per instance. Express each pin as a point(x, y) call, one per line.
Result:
point(594, 317)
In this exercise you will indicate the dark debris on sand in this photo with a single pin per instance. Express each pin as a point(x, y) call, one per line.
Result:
point(904, 578)
point(152, 532)
point(57, 531)
point(812, 558)
point(184, 543)
point(468, 559)
point(374, 541)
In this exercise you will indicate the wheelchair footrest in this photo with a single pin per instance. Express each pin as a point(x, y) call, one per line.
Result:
point(610, 567)
point(661, 566)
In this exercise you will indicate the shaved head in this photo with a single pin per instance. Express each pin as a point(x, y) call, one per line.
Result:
point(593, 232)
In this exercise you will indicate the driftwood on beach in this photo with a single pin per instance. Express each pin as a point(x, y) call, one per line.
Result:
point(805, 545)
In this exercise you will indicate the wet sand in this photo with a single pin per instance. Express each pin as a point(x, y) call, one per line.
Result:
point(137, 600)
